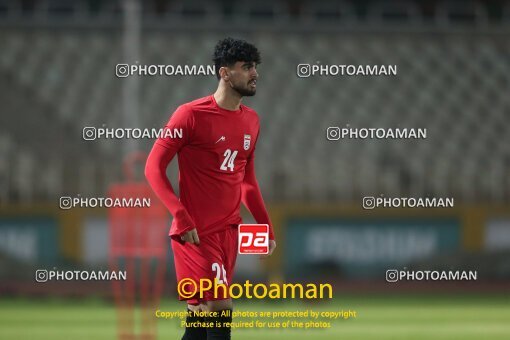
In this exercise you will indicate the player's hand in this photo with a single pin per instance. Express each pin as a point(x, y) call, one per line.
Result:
point(191, 237)
point(272, 246)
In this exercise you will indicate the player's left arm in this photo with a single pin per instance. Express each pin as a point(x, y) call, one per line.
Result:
point(253, 201)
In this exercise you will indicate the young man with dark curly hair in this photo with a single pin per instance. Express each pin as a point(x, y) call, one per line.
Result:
point(215, 143)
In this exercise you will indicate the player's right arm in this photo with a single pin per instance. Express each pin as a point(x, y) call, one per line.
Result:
point(162, 153)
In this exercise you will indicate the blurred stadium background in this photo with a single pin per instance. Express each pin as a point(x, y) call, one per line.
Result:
point(57, 66)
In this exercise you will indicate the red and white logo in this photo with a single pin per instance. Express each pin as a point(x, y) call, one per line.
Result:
point(247, 139)
point(253, 239)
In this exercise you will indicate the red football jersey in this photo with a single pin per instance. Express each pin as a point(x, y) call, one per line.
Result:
point(214, 146)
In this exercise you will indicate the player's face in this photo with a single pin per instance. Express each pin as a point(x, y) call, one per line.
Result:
point(243, 78)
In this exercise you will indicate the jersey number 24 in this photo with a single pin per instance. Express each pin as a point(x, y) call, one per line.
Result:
point(228, 161)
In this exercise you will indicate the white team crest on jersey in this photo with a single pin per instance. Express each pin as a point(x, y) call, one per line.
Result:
point(247, 139)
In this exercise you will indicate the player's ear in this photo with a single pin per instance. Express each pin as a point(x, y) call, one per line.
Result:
point(224, 74)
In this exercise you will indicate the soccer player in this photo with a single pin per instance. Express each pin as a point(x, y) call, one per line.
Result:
point(214, 138)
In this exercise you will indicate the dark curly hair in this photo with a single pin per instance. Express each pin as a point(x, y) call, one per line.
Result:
point(228, 51)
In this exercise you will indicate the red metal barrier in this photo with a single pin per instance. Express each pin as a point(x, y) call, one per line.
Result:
point(139, 245)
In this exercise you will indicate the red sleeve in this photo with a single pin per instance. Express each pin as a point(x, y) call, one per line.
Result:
point(181, 125)
point(162, 153)
point(252, 197)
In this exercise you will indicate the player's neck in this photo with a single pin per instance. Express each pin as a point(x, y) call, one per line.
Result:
point(227, 98)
